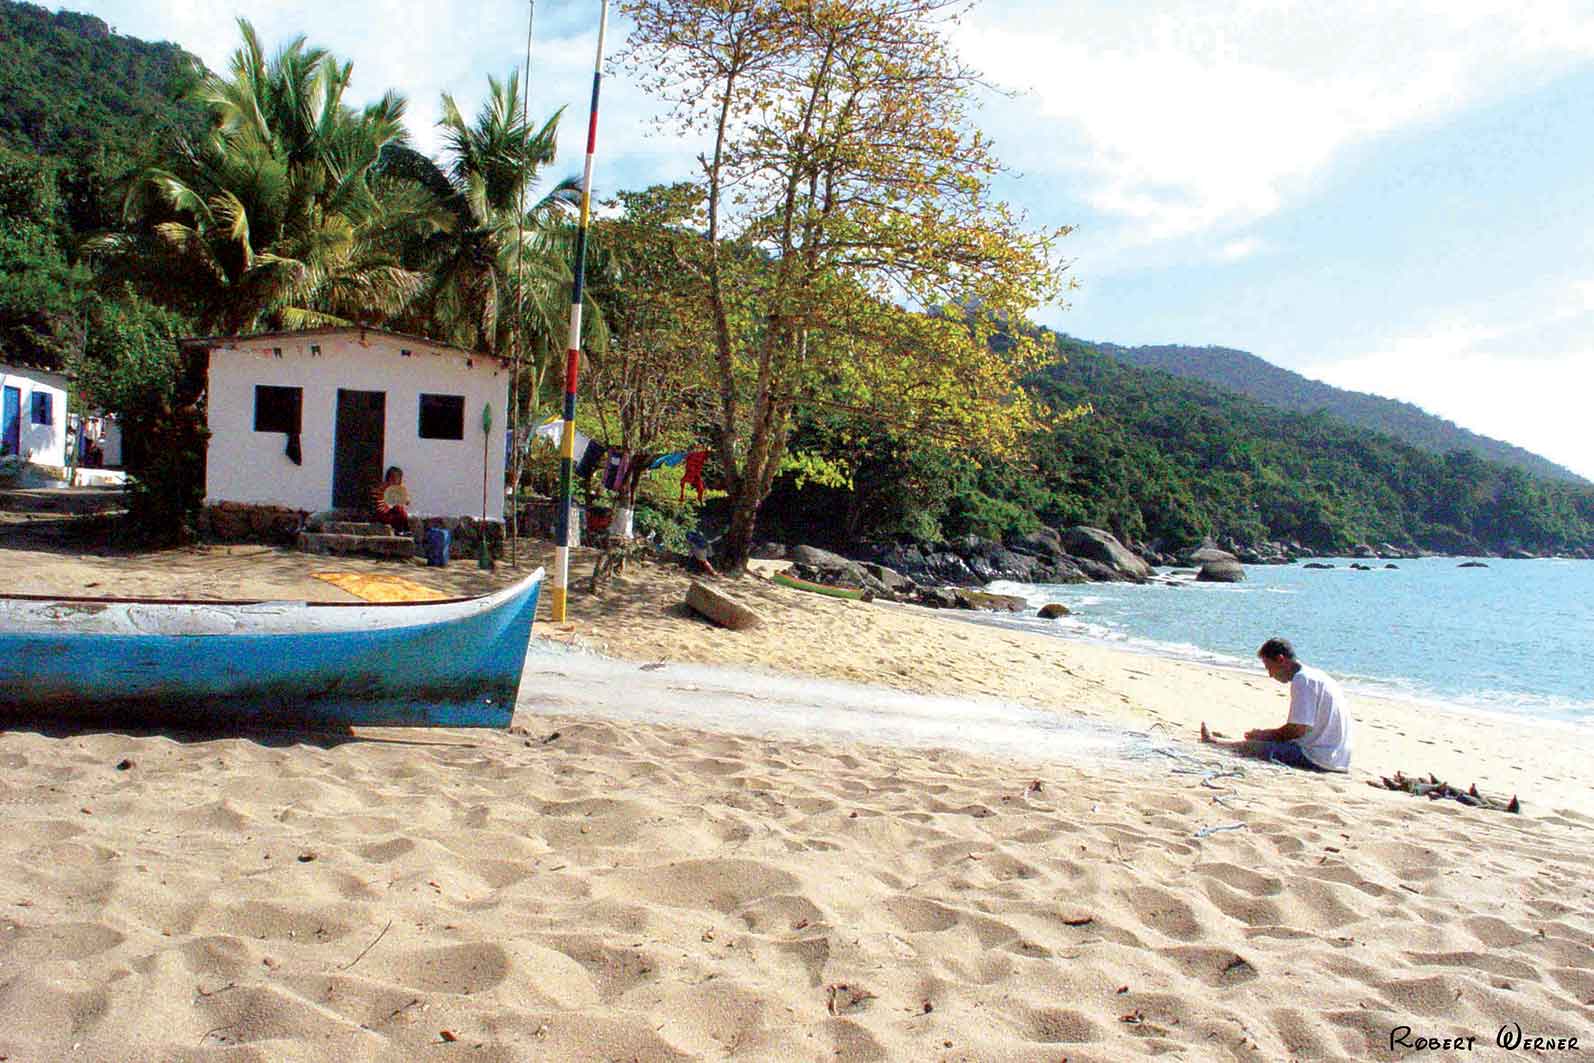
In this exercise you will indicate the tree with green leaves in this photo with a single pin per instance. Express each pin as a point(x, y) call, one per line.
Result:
point(274, 219)
point(496, 256)
point(841, 162)
point(41, 290)
point(653, 378)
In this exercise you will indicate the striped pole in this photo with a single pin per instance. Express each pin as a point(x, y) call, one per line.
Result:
point(567, 445)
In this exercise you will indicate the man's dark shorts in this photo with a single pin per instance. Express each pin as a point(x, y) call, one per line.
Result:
point(1288, 754)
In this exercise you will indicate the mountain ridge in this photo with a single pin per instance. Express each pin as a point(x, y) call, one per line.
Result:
point(1257, 378)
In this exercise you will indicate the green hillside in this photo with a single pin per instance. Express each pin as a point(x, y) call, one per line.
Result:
point(1252, 376)
point(72, 89)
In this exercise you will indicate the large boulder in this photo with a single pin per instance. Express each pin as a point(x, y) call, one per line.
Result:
point(950, 568)
point(1043, 542)
point(998, 603)
point(1221, 572)
point(817, 558)
point(1202, 554)
point(1059, 570)
point(1093, 544)
point(889, 578)
point(1052, 610)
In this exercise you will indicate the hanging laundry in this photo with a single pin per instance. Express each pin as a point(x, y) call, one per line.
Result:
point(553, 432)
point(611, 471)
point(668, 461)
point(589, 458)
point(692, 476)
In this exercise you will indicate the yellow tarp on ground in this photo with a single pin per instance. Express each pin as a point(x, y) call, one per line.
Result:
point(379, 588)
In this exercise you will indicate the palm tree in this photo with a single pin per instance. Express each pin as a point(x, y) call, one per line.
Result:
point(276, 219)
point(498, 269)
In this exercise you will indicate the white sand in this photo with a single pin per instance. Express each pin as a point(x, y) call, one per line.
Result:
point(628, 890)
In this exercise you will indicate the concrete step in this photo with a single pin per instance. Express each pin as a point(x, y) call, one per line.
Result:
point(337, 543)
point(353, 527)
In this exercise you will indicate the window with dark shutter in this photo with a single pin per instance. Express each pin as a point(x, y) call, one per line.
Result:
point(442, 417)
point(43, 412)
point(278, 409)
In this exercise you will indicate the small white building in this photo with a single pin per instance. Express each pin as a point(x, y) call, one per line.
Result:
point(311, 420)
point(33, 414)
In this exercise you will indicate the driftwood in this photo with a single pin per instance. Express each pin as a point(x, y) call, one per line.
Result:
point(721, 608)
point(1435, 788)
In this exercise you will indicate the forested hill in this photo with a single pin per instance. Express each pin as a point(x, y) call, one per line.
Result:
point(1266, 382)
point(72, 89)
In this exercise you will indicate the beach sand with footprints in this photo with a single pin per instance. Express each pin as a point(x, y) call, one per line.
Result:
point(591, 887)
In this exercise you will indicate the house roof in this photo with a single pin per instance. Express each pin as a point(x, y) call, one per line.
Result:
point(35, 368)
point(211, 342)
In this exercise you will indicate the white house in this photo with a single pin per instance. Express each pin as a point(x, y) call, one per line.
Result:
point(33, 414)
point(310, 420)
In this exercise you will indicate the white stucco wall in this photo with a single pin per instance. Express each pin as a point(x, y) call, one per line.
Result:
point(46, 442)
point(444, 475)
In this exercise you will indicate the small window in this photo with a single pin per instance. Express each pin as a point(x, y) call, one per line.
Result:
point(43, 413)
point(442, 417)
point(278, 409)
point(315, 350)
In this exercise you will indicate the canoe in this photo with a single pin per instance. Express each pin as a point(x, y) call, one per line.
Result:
point(454, 663)
point(851, 593)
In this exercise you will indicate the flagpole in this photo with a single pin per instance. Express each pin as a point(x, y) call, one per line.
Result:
point(562, 529)
point(515, 460)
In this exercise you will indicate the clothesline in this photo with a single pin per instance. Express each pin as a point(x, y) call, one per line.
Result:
point(620, 466)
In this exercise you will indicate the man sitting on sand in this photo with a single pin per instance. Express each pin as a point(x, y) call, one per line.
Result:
point(1317, 736)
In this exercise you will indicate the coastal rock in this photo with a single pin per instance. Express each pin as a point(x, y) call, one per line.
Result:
point(892, 580)
point(1472, 564)
point(1317, 564)
point(1052, 610)
point(1221, 572)
point(996, 603)
point(817, 558)
point(949, 568)
point(938, 597)
point(1095, 545)
point(1359, 567)
point(1202, 554)
point(1043, 542)
point(1099, 572)
point(1519, 554)
point(909, 560)
point(1061, 570)
point(1363, 550)
point(1391, 565)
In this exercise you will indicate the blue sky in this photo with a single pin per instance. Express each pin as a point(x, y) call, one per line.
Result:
point(1391, 197)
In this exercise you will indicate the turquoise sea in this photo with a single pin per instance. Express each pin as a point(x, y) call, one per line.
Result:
point(1517, 636)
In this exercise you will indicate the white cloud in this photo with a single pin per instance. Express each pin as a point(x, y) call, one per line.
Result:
point(1526, 382)
point(1235, 250)
point(1186, 117)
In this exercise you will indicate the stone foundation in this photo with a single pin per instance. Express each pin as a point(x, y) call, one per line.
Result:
point(243, 522)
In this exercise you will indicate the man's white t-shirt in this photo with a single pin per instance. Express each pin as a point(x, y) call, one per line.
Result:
point(1317, 703)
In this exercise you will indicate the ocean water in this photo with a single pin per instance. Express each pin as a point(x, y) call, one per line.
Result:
point(1517, 636)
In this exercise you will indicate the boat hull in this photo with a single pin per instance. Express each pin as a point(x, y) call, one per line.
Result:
point(448, 664)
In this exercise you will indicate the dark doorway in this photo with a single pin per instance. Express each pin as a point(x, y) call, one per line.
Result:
point(357, 449)
point(11, 422)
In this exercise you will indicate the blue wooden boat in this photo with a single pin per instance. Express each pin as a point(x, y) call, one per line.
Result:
point(454, 663)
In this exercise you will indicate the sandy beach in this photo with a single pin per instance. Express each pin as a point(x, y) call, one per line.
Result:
point(586, 888)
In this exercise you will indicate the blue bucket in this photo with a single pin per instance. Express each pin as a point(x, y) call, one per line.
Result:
point(437, 542)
